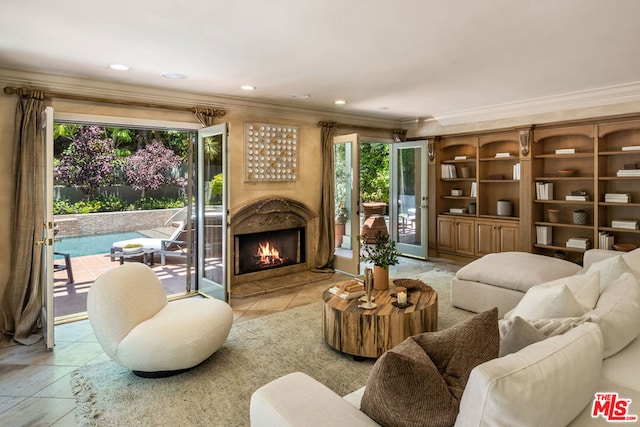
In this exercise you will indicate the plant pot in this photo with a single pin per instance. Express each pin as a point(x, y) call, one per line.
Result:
point(373, 208)
point(339, 229)
point(380, 278)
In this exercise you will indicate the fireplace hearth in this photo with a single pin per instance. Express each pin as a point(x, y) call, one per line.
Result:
point(271, 237)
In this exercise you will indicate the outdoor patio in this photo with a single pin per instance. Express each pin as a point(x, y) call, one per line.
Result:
point(71, 298)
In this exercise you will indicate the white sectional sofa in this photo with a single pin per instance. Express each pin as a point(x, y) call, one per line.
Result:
point(551, 382)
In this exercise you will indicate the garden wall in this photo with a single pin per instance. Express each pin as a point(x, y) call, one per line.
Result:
point(111, 222)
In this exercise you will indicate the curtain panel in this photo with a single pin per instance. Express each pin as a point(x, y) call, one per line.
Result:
point(22, 301)
point(324, 256)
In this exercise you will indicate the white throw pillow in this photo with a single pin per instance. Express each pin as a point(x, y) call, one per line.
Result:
point(633, 260)
point(618, 313)
point(584, 287)
point(547, 302)
point(610, 269)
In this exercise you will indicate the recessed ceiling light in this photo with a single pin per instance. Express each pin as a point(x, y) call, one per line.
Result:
point(340, 102)
point(119, 67)
point(175, 76)
point(301, 95)
point(247, 87)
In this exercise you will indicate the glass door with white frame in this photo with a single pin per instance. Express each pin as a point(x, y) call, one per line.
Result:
point(211, 208)
point(408, 215)
point(346, 256)
point(47, 265)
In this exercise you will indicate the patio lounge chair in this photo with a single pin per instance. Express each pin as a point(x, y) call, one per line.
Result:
point(175, 245)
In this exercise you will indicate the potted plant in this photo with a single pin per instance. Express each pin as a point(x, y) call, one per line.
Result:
point(382, 254)
point(341, 219)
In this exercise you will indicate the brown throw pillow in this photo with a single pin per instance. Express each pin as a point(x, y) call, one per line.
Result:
point(420, 381)
point(520, 335)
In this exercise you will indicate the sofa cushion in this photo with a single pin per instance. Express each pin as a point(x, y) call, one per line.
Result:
point(519, 335)
point(548, 301)
point(633, 260)
point(618, 313)
point(421, 380)
point(516, 270)
point(546, 384)
point(610, 269)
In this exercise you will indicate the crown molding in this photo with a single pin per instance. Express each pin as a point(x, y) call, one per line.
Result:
point(79, 85)
point(600, 97)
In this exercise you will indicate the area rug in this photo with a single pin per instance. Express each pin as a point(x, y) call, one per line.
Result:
point(218, 392)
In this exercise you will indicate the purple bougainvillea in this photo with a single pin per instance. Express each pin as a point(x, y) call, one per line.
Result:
point(150, 168)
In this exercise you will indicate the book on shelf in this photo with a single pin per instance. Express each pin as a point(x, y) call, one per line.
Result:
point(449, 171)
point(502, 155)
point(605, 240)
point(577, 198)
point(516, 172)
point(474, 189)
point(617, 197)
point(628, 172)
point(628, 224)
point(631, 148)
point(578, 243)
point(544, 234)
point(566, 151)
point(544, 190)
point(458, 210)
point(460, 158)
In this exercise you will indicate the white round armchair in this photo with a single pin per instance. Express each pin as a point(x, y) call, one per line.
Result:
point(137, 328)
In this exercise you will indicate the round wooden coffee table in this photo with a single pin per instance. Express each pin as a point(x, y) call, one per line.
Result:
point(369, 333)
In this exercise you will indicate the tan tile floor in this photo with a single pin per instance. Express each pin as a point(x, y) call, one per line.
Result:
point(34, 383)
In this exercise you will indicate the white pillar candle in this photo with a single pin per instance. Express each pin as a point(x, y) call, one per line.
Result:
point(402, 296)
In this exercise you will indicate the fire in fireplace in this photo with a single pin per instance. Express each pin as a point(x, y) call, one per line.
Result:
point(270, 249)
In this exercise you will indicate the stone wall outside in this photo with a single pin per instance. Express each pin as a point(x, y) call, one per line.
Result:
point(111, 222)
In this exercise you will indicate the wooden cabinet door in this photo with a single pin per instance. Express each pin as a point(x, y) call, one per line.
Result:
point(446, 234)
point(485, 238)
point(508, 237)
point(465, 236)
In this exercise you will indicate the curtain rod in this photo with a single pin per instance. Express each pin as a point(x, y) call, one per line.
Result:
point(396, 131)
point(219, 112)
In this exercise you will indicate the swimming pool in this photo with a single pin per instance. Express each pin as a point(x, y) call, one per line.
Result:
point(91, 245)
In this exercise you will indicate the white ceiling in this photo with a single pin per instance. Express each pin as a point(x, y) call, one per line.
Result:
point(401, 59)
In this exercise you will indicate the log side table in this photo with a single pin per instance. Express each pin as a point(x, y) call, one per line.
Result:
point(369, 333)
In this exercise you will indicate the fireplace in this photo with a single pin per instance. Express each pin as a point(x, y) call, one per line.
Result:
point(271, 237)
point(269, 249)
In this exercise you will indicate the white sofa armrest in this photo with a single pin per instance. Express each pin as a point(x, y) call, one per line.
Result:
point(298, 400)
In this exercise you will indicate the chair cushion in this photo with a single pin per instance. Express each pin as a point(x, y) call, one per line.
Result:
point(516, 270)
point(548, 384)
point(420, 381)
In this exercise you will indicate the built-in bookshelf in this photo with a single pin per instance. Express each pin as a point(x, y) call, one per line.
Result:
point(619, 180)
point(563, 174)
